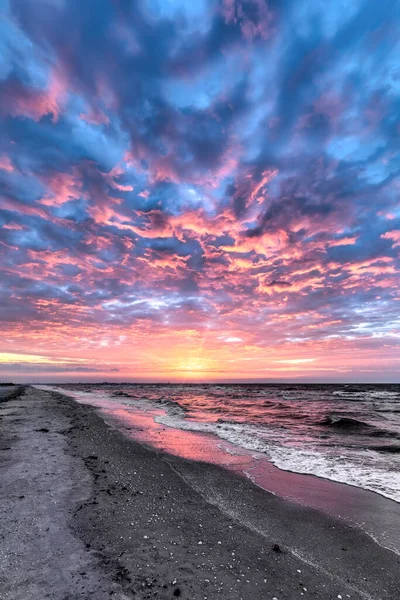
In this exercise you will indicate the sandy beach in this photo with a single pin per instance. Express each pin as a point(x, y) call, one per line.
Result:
point(88, 513)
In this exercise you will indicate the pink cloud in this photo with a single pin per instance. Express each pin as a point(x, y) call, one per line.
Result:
point(95, 117)
point(393, 235)
point(346, 241)
point(35, 103)
point(63, 187)
point(6, 164)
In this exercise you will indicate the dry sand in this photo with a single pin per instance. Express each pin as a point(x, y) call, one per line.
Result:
point(87, 513)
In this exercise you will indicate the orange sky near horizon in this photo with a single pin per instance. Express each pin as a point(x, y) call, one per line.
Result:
point(192, 356)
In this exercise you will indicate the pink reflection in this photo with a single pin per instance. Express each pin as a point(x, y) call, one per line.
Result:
point(141, 426)
point(186, 444)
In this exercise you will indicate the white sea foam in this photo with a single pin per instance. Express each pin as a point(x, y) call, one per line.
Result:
point(356, 470)
point(367, 394)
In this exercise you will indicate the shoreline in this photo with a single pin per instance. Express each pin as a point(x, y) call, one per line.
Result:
point(156, 525)
point(374, 513)
point(128, 416)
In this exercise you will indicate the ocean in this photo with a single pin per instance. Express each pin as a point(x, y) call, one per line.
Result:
point(345, 433)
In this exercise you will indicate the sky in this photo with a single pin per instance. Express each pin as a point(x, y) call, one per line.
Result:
point(199, 191)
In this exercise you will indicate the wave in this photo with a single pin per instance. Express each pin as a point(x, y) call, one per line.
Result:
point(355, 426)
point(356, 394)
point(390, 449)
point(277, 405)
point(173, 408)
point(344, 423)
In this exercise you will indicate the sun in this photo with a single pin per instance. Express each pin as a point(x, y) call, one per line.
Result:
point(192, 367)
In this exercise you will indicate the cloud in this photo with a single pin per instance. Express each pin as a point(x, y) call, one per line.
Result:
point(224, 167)
point(21, 368)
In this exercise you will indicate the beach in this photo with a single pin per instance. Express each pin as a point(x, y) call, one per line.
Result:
point(87, 512)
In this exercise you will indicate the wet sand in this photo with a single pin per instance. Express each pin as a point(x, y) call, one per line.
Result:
point(86, 512)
